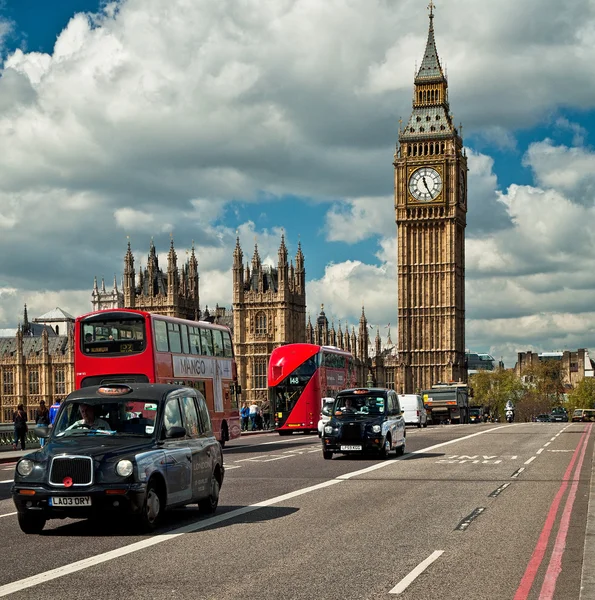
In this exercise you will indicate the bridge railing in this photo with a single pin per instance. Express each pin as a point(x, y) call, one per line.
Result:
point(7, 435)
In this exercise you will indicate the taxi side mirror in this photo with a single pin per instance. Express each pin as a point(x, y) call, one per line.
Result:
point(175, 433)
point(42, 432)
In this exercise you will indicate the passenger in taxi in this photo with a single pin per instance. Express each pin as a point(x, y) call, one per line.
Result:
point(89, 420)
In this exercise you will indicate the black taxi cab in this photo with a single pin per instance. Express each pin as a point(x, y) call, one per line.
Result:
point(364, 420)
point(134, 449)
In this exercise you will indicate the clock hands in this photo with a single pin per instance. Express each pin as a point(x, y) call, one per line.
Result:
point(426, 184)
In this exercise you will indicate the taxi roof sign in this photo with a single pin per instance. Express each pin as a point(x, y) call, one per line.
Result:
point(114, 390)
point(361, 391)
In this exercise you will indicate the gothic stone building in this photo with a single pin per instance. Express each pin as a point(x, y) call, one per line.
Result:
point(269, 309)
point(430, 209)
point(37, 363)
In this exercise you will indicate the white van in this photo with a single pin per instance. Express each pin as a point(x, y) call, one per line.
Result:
point(413, 409)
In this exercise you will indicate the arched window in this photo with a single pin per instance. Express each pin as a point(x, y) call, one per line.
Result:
point(57, 329)
point(261, 323)
point(259, 373)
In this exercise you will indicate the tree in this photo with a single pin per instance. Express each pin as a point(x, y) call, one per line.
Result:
point(492, 389)
point(583, 395)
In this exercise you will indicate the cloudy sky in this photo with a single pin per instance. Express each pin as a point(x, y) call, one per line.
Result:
point(205, 118)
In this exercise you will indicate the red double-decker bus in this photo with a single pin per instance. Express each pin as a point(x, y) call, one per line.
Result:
point(126, 346)
point(299, 376)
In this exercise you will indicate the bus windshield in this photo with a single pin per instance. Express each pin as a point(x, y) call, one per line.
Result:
point(113, 334)
point(285, 395)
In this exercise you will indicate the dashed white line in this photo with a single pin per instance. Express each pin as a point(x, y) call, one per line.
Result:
point(409, 579)
point(51, 574)
point(546, 444)
point(517, 472)
point(540, 451)
point(8, 514)
point(530, 460)
point(7, 481)
point(553, 439)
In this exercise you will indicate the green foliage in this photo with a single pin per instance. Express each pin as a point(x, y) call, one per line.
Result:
point(492, 389)
point(583, 395)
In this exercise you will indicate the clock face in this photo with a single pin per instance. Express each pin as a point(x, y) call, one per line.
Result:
point(425, 184)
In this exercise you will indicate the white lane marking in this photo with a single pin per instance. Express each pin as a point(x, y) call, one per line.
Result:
point(28, 582)
point(540, 451)
point(517, 472)
point(409, 579)
point(530, 460)
point(553, 439)
point(422, 451)
point(229, 467)
point(8, 515)
point(546, 444)
point(7, 481)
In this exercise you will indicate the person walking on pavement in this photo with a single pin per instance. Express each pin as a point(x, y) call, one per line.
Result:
point(265, 410)
point(254, 415)
point(42, 419)
point(244, 415)
point(19, 418)
point(54, 410)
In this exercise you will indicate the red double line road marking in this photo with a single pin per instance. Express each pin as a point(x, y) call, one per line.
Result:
point(537, 557)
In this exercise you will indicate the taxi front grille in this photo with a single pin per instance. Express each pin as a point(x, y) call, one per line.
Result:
point(351, 432)
point(78, 468)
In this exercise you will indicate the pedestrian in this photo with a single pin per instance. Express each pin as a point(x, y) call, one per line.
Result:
point(42, 418)
point(19, 418)
point(266, 414)
point(54, 410)
point(244, 415)
point(254, 415)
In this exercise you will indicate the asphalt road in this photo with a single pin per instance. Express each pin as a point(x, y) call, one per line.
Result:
point(476, 511)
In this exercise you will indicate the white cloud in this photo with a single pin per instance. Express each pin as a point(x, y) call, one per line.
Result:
point(156, 117)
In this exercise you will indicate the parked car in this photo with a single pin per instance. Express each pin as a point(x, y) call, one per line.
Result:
point(414, 411)
point(365, 420)
point(325, 414)
point(475, 415)
point(128, 449)
point(543, 418)
point(583, 415)
point(559, 414)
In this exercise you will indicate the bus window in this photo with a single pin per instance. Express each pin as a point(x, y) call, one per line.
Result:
point(218, 342)
point(227, 345)
point(173, 334)
point(160, 329)
point(184, 332)
point(195, 340)
point(206, 342)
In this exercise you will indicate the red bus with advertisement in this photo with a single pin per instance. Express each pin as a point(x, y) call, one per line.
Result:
point(126, 346)
point(299, 376)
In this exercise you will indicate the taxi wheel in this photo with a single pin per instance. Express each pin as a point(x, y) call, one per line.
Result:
point(385, 451)
point(152, 508)
point(210, 503)
point(401, 449)
point(327, 454)
point(31, 523)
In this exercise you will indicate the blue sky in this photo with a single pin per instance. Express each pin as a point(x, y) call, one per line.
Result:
point(202, 120)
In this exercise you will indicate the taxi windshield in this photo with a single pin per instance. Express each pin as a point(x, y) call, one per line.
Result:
point(114, 417)
point(359, 405)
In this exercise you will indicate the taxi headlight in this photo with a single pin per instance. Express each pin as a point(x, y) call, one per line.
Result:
point(328, 429)
point(376, 428)
point(124, 468)
point(25, 467)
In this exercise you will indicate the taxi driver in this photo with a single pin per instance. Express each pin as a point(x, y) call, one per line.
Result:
point(89, 420)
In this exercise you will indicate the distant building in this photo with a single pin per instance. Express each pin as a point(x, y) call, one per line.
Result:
point(575, 365)
point(37, 363)
point(479, 362)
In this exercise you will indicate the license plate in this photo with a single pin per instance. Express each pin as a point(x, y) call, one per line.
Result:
point(348, 448)
point(70, 501)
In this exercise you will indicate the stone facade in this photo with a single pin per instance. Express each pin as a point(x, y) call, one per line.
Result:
point(269, 310)
point(575, 366)
point(35, 364)
point(430, 209)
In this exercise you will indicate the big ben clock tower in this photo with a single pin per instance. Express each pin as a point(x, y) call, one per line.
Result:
point(430, 208)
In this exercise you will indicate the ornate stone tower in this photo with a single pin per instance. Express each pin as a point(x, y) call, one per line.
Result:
point(430, 208)
point(269, 309)
point(174, 292)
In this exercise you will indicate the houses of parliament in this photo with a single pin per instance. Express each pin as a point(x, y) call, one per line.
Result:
point(269, 301)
